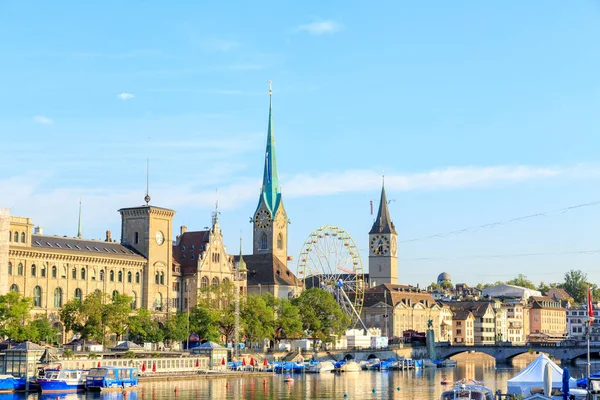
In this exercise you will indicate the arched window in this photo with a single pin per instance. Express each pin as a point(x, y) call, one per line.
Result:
point(74, 273)
point(22, 237)
point(101, 274)
point(280, 241)
point(83, 273)
point(263, 242)
point(93, 274)
point(137, 277)
point(54, 271)
point(16, 237)
point(129, 276)
point(215, 281)
point(156, 278)
point(162, 278)
point(78, 294)
point(33, 270)
point(133, 300)
point(115, 294)
point(14, 288)
point(120, 276)
point(204, 282)
point(58, 297)
point(225, 281)
point(43, 271)
point(158, 302)
point(112, 275)
point(37, 296)
point(10, 268)
point(20, 269)
point(64, 273)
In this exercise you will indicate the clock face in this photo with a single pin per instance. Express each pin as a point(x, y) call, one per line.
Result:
point(262, 219)
point(380, 245)
point(281, 220)
point(160, 238)
point(394, 246)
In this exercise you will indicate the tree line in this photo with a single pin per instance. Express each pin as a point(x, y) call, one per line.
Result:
point(98, 317)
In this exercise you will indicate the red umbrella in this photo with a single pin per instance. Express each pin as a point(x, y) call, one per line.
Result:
point(98, 364)
point(197, 363)
point(82, 366)
point(143, 367)
point(243, 362)
point(58, 367)
point(153, 367)
point(265, 362)
point(223, 361)
point(252, 361)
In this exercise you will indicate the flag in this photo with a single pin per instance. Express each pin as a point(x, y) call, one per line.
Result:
point(590, 305)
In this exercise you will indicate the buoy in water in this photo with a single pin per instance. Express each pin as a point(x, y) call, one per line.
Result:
point(288, 379)
point(398, 388)
point(374, 390)
point(345, 395)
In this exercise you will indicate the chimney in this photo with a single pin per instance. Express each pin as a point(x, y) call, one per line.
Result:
point(108, 238)
point(183, 229)
point(38, 230)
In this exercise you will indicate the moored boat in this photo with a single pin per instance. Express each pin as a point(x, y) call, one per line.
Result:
point(350, 366)
point(104, 378)
point(63, 381)
point(9, 384)
point(468, 389)
point(323, 366)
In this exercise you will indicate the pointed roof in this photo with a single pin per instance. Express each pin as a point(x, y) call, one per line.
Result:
point(383, 223)
point(241, 262)
point(270, 191)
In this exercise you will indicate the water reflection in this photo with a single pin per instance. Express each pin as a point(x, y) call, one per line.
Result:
point(398, 385)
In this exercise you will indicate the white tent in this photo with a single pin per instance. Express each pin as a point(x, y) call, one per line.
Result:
point(532, 376)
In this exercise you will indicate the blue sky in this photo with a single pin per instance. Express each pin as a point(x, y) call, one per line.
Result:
point(478, 112)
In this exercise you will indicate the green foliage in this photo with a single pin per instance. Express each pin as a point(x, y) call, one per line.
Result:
point(93, 356)
point(288, 321)
point(542, 287)
point(220, 300)
point(116, 314)
point(130, 354)
point(203, 321)
point(14, 314)
point(446, 285)
point(143, 327)
point(176, 327)
point(522, 281)
point(42, 330)
point(68, 353)
point(321, 315)
point(434, 287)
point(258, 318)
point(88, 318)
point(576, 285)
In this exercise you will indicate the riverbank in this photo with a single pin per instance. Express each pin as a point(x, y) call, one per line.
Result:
point(203, 375)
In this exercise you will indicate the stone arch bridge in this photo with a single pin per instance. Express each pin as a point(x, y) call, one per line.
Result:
point(505, 353)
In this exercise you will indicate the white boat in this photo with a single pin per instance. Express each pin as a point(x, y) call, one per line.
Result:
point(323, 366)
point(350, 366)
point(468, 389)
point(63, 381)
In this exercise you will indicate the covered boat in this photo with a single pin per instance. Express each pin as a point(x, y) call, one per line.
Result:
point(9, 384)
point(323, 366)
point(103, 378)
point(468, 389)
point(63, 381)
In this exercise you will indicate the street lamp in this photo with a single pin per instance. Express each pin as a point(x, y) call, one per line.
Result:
point(187, 291)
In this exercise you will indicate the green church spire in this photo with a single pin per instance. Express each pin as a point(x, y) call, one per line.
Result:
point(270, 187)
point(242, 264)
point(79, 221)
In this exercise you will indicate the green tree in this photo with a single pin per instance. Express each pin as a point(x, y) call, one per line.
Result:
point(446, 285)
point(203, 322)
point(221, 300)
point(288, 321)
point(176, 327)
point(116, 314)
point(14, 314)
point(542, 287)
point(143, 327)
point(258, 318)
point(42, 330)
point(434, 287)
point(321, 315)
point(576, 285)
point(87, 318)
point(522, 281)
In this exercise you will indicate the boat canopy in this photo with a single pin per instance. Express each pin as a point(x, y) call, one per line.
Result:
point(532, 376)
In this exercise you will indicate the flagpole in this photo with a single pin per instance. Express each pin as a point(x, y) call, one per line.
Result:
point(590, 307)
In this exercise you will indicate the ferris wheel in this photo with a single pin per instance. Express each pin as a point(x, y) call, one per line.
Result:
point(329, 259)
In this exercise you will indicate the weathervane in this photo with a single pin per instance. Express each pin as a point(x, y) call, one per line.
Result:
point(270, 82)
point(147, 197)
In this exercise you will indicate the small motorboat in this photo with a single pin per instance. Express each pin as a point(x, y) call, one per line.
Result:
point(468, 389)
point(289, 379)
point(350, 366)
point(63, 381)
point(10, 384)
point(323, 366)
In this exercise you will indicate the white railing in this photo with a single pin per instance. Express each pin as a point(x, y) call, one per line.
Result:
point(146, 365)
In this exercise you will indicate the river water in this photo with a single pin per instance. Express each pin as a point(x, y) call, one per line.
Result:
point(399, 385)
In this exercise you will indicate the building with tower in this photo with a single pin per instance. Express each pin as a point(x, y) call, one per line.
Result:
point(267, 265)
point(383, 246)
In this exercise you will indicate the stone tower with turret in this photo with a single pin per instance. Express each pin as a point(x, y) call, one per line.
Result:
point(383, 246)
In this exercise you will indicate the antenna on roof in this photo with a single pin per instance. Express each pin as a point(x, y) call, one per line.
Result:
point(79, 221)
point(147, 197)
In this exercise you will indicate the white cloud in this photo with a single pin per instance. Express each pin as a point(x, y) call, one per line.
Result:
point(125, 96)
point(42, 120)
point(320, 27)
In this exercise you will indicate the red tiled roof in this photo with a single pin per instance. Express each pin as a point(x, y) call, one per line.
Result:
point(188, 250)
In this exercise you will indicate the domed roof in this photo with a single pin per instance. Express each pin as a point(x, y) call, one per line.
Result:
point(444, 276)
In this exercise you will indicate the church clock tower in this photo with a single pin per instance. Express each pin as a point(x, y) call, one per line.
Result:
point(270, 220)
point(383, 246)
